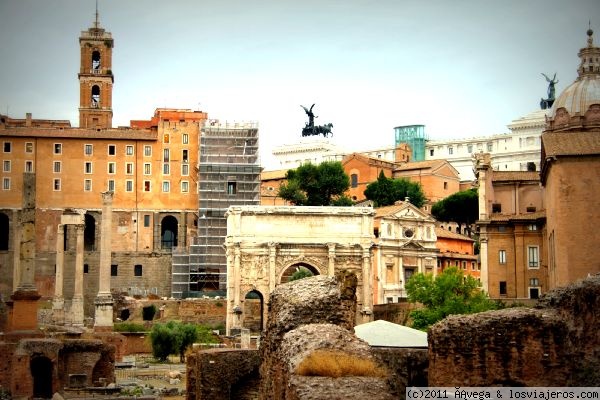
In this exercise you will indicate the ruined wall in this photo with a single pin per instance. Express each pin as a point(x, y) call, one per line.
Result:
point(215, 374)
point(307, 315)
point(408, 367)
point(557, 343)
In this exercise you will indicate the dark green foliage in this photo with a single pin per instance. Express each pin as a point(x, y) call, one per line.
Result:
point(450, 293)
point(176, 337)
point(148, 312)
point(129, 327)
point(386, 191)
point(316, 185)
point(460, 207)
point(301, 273)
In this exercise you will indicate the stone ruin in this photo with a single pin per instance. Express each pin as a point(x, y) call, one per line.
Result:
point(557, 343)
point(307, 315)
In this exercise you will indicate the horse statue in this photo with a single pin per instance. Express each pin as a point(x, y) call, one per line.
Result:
point(310, 129)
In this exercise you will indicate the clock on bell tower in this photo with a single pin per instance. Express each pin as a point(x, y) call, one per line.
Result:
point(95, 78)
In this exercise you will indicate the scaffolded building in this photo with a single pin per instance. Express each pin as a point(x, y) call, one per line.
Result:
point(228, 175)
point(415, 137)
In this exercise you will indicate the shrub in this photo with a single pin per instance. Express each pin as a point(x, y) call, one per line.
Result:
point(176, 337)
point(129, 327)
point(148, 312)
point(301, 273)
point(335, 364)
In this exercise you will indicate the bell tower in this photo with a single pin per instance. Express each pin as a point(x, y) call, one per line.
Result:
point(95, 77)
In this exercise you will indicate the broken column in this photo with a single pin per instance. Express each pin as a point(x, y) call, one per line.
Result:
point(25, 297)
point(58, 303)
point(104, 302)
point(77, 302)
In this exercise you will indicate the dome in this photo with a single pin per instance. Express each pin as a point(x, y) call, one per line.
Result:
point(578, 106)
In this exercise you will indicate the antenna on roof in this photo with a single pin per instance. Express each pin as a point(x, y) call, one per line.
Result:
point(96, 23)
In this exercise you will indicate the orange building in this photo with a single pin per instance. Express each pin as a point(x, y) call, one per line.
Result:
point(438, 178)
point(456, 250)
point(269, 187)
point(362, 171)
point(151, 167)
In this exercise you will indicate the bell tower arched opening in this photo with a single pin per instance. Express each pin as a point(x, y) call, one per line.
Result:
point(96, 61)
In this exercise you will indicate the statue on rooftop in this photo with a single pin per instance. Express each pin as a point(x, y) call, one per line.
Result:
point(547, 103)
point(310, 129)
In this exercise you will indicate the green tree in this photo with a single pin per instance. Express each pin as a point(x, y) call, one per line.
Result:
point(447, 294)
point(176, 337)
point(316, 185)
point(386, 191)
point(300, 273)
point(461, 207)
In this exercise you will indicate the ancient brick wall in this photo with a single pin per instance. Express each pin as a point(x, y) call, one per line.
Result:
point(214, 374)
point(408, 367)
point(555, 344)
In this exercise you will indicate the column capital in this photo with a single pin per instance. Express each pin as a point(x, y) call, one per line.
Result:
point(107, 198)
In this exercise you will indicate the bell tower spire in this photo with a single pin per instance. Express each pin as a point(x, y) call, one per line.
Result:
point(95, 77)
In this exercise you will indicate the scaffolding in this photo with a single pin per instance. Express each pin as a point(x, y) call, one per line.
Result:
point(228, 175)
point(415, 137)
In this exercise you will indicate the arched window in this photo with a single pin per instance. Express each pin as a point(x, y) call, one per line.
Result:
point(89, 233)
point(4, 225)
point(168, 232)
point(96, 61)
point(95, 96)
point(354, 180)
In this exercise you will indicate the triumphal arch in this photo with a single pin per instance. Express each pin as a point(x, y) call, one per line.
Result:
point(267, 244)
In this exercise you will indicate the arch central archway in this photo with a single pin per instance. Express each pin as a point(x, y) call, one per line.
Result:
point(41, 372)
point(292, 269)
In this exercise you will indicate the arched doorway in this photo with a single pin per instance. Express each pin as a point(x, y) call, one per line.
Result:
point(253, 311)
point(292, 269)
point(168, 232)
point(89, 233)
point(41, 372)
point(4, 226)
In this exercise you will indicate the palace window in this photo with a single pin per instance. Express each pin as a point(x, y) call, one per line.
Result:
point(112, 150)
point(146, 220)
point(129, 150)
point(129, 168)
point(57, 166)
point(28, 147)
point(502, 256)
point(129, 185)
point(166, 155)
point(5, 183)
point(111, 185)
point(166, 169)
point(6, 166)
point(147, 169)
point(533, 256)
point(28, 166)
point(147, 151)
point(57, 148)
point(185, 138)
point(137, 270)
point(87, 168)
point(56, 185)
point(166, 186)
point(185, 169)
point(88, 149)
point(112, 167)
point(7, 147)
point(87, 185)
point(146, 186)
point(184, 156)
point(185, 186)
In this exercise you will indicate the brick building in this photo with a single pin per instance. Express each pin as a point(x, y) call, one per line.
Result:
point(456, 250)
point(362, 171)
point(150, 166)
point(438, 178)
point(536, 229)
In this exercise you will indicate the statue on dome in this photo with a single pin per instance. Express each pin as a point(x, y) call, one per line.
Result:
point(310, 129)
point(547, 103)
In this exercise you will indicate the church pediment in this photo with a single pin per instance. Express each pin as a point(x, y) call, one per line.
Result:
point(410, 212)
point(412, 246)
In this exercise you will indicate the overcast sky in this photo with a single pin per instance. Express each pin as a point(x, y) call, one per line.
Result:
point(461, 68)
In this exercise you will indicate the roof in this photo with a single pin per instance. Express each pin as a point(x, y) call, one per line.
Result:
point(382, 333)
point(82, 133)
point(446, 234)
point(420, 165)
point(518, 217)
point(275, 174)
point(511, 176)
point(571, 143)
point(367, 159)
point(388, 210)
